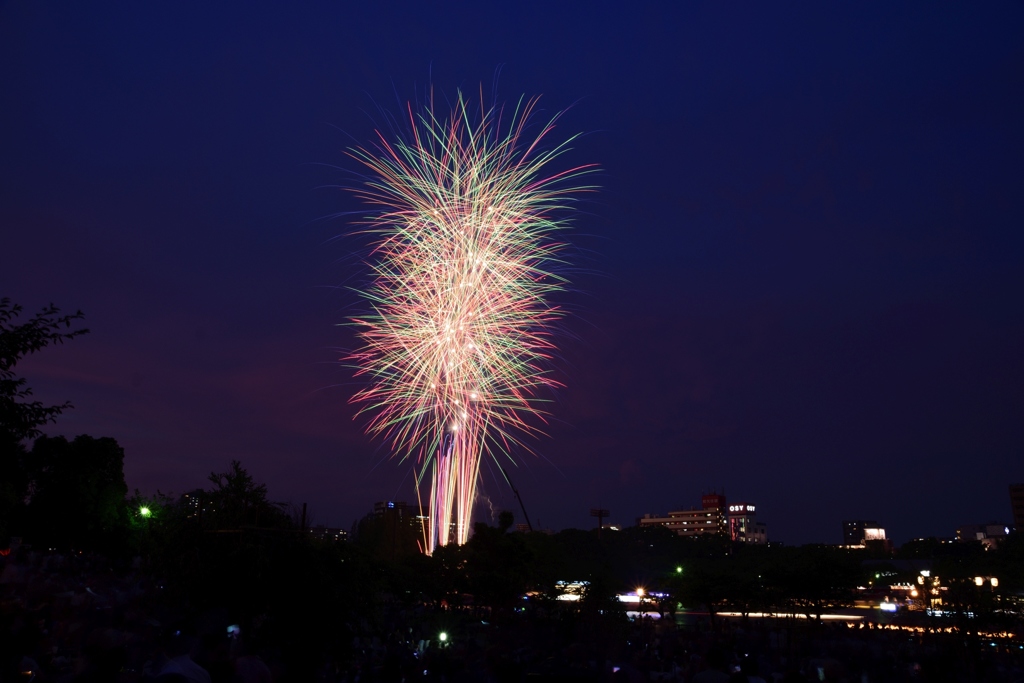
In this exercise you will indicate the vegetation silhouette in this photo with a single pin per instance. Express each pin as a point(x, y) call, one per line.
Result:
point(77, 497)
point(20, 416)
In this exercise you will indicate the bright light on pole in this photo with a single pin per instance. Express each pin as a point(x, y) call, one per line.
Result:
point(442, 636)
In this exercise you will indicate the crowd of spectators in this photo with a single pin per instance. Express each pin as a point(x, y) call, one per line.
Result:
point(74, 617)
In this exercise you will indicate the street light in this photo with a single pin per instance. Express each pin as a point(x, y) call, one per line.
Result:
point(442, 636)
point(145, 511)
point(679, 570)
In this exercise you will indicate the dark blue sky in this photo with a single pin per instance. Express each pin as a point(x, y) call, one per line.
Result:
point(802, 280)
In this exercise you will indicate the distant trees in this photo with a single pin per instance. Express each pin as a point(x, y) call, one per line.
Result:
point(710, 584)
point(497, 563)
point(236, 500)
point(814, 580)
point(77, 496)
point(243, 558)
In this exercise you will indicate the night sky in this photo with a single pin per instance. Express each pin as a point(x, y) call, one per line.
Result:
point(801, 281)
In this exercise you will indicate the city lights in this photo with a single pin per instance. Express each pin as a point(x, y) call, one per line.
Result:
point(571, 591)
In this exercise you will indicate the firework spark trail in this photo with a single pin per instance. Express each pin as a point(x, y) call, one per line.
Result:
point(465, 252)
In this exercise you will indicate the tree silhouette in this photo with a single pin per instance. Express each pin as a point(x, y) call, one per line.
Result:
point(21, 417)
point(78, 492)
point(237, 500)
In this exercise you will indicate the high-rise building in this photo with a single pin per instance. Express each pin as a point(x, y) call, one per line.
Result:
point(858, 532)
point(1017, 503)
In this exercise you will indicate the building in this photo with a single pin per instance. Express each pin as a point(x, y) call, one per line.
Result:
point(859, 532)
point(325, 533)
point(713, 517)
point(394, 529)
point(195, 503)
point(989, 534)
point(709, 519)
point(398, 515)
point(1017, 503)
point(391, 508)
point(743, 525)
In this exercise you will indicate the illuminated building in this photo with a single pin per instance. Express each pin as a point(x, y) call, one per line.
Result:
point(195, 503)
point(713, 517)
point(743, 525)
point(859, 532)
point(391, 508)
point(397, 513)
point(709, 519)
point(571, 591)
point(1017, 503)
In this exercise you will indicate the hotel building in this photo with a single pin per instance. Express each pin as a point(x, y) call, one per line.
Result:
point(736, 521)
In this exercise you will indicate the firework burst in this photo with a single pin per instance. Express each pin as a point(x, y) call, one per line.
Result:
point(465, 256)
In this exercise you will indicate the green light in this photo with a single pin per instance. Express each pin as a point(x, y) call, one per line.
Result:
point(145, 511)
point(442, 636)
point(679, 570)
